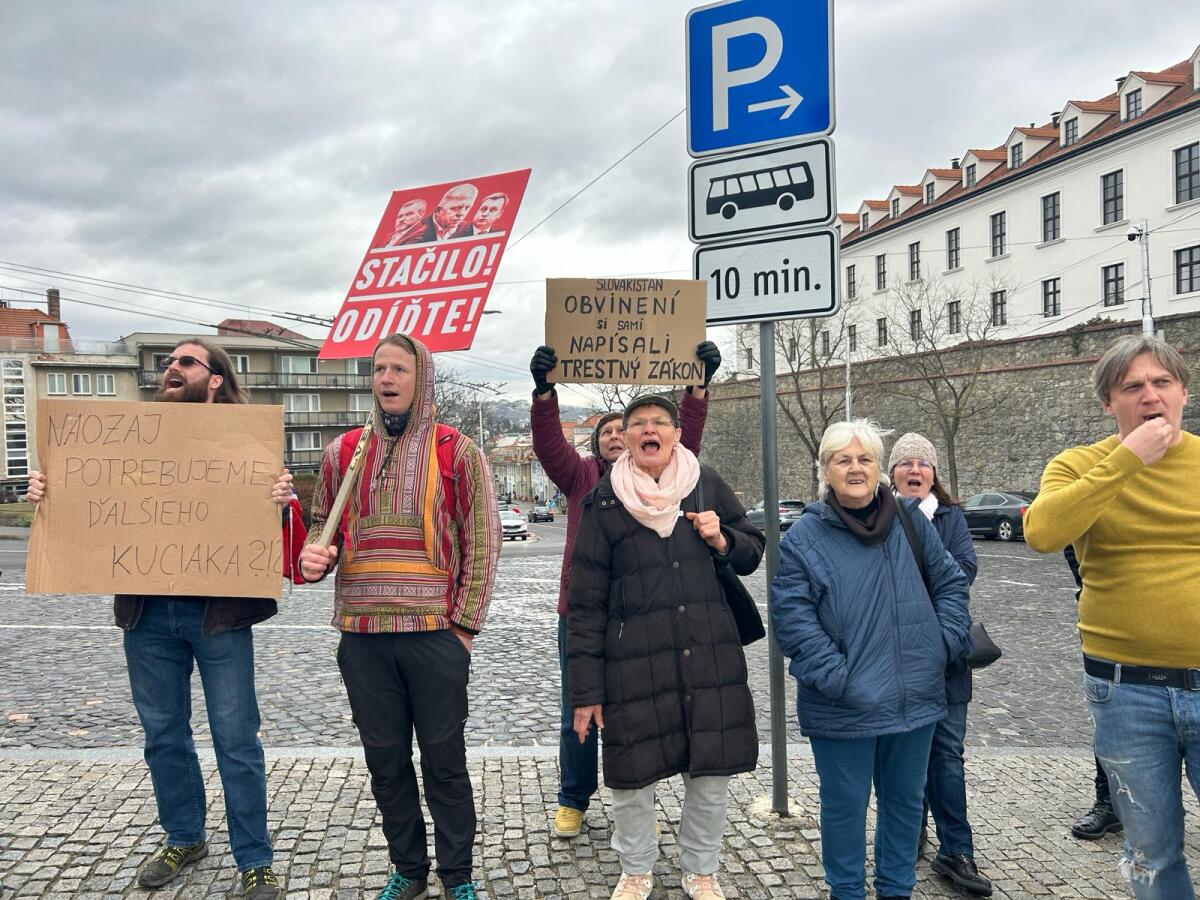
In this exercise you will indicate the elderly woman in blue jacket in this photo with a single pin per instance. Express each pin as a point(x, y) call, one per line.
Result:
point(913, 470)
point(869, 648)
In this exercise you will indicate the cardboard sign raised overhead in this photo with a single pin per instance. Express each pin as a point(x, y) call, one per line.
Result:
point(157, 498)
point(430, 266)
point(625, 330)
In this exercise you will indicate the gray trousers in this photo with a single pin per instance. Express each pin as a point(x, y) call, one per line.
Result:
point(700, 830)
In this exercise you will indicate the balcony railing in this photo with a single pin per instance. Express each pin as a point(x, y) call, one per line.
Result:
point(335, 418)
point(302, 460)
point(50, 345)
point(149, 378)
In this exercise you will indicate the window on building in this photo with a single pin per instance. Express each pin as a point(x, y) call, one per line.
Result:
point(914, 324)
point(748, 356)
point(929, 193)
point(999, 308)
point(825, 350)
point(881, 332)
point(1016, 155)
point(358, 366)
point(851, 283)
point(914, 261)
point(156, 360)
point(1070, 132)
point(1112, 280)
point(1187, 270)
point(300, 365)
point(303, 440)
point(81, 383)
point(793, 349)
point(999, 233)
point(106, 384)
point(241, 363)
point(1187, 173)
point(361, 402)
point(952, 257)
point(56, 383)
point(1052, 297)
point(971, 175)
point(1113, 188)
point(294, 403)
point(1051, 217)
point(1133, 104)
point(852, 337)
point(896, 208)
point(866, 221)
point(954, 316)
point(881, 271)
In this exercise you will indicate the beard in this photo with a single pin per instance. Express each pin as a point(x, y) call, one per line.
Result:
point(191, 392)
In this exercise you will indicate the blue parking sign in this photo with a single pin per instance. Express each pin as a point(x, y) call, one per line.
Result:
point(759, 71)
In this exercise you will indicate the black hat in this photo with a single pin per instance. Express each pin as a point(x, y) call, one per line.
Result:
point(653, 400)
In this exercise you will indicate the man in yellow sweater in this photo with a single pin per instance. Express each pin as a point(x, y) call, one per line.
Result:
point(1130, 506)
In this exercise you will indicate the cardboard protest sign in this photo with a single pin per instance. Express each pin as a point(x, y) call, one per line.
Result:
point(157, 498)
point(625, 330)
point(430, 266)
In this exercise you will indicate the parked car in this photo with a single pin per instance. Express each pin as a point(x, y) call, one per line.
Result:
point(996, 514)
point(514, 525)
point(789, 512)
point(541, 514)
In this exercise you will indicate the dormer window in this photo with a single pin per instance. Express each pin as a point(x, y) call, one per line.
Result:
point(1070, 132)
point(866, 221)
point(971, 175)
point(929, 193)
point(896, 208)
point(1016, 155)
point(1133, 104)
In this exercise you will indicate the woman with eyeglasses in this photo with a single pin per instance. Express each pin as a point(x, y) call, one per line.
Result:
point(913, 471)
point(868, 647)
point(653, 654)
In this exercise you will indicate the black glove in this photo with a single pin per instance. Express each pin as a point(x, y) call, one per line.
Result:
point(543, 361)
point(707, 353)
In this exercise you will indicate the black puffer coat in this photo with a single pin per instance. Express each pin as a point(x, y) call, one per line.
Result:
point(649, 638)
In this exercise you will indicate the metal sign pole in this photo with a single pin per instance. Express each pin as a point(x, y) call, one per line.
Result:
point(766, 352)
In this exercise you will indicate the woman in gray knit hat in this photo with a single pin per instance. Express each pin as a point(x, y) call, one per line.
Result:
point(912, 468)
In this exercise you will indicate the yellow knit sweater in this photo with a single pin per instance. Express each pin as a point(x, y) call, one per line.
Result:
point(1136, 531)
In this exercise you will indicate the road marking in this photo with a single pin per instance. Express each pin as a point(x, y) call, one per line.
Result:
point(1017, 583)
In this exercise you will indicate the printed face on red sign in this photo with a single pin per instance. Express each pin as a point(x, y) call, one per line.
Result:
point(409, 214)
point(490, 208)
point(454, 206)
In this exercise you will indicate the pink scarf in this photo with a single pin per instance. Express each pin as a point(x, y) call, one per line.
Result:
point(656, 504)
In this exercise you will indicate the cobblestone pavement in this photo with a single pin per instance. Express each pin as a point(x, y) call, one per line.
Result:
point(65, 684)
point(81, 827)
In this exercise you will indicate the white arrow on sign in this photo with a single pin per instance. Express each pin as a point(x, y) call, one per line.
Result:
point(790, 100)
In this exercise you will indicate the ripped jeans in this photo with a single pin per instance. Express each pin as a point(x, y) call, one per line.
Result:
point(1144, 735)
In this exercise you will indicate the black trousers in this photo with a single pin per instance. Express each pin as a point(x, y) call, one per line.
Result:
point(398, 684)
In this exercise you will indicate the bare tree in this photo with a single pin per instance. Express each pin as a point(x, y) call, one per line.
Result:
point(939, 335)
point(461, 403)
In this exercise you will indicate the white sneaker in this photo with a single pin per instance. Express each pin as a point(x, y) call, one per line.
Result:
point(702, 887)
point(634, 887)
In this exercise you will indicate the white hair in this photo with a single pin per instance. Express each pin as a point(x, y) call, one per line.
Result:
point(839, 436)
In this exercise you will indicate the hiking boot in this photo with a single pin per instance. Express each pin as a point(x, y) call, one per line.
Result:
point(568, 822)
point(961, 870)
point(633, 887)
point(702, 887)
point(260, 883)
point(466, 891)
point(1097, 822)
point(401, 887)
point(166, 863)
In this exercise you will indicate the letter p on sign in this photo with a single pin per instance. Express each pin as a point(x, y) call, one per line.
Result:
point(723, 78)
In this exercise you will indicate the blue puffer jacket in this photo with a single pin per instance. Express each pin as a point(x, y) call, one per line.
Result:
point(867, 647)
point(952, 528)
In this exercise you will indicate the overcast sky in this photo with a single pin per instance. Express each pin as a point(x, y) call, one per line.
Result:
point(244, 152)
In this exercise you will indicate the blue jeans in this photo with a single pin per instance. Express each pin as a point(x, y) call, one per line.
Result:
point(160, 652)
point(1143, 735)
point(577, 763)
point(946, 789)
point(897, 764)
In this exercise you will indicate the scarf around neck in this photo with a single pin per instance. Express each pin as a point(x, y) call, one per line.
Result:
point(877, 526)
point(655, 504)
point(929, 505)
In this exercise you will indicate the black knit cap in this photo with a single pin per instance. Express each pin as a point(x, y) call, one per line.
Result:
point(653, 400)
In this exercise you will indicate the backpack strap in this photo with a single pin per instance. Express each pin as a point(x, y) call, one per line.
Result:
point(914, 542)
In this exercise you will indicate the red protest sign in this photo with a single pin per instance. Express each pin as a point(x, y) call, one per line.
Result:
point(430, 266)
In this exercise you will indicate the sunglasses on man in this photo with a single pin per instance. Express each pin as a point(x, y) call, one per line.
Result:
point(186, 361)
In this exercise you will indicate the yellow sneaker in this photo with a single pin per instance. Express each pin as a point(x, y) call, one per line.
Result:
point(567, 822)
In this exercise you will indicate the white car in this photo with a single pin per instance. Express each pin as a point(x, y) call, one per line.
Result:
point(514, 525)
